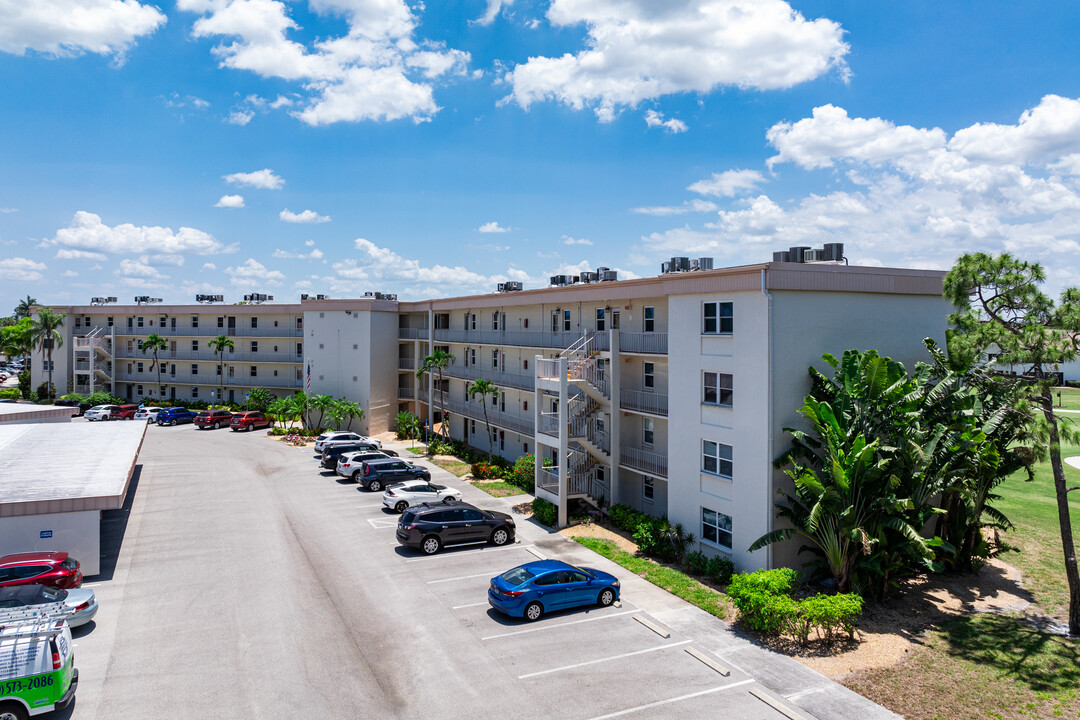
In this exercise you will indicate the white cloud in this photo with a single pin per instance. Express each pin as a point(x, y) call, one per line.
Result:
point(240, 117)
point(163, 259)
point(1047, 131)
point(309, 243)
point(139, 268)
point(831, 135)
point(64, 29)
point(656, 119)
point(492, 227)
point(252, 273)
point(567, 240)
point(378, 70)
point(67, 254)
point(640, 50)
point(728, 184)
point(491, 11)
point(315, 254)
point(87, 232)
point(209, 266)
point(690, 206)
point(264, 179)
point(230, 201)
point(21, 269)
point(281, 102)
point(6, 210)
point(307, 216)
point(69, 273)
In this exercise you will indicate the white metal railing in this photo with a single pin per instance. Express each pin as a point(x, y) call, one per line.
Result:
point(643, 461)
point(643, 342)
point(212, 331)
point(646, 402)
point(406, 393)
point(547, 369)
point(517, 338)
point(503, 379)
point(404, 363)
point(549, 479)
point(549, 424)
point(506, 421)
point(412, 333)
point(210, 356)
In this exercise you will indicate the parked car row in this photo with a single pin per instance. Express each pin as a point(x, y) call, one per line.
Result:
point(435, 516)
point(39, 578)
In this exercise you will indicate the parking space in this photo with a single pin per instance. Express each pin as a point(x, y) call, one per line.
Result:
point(276, 587)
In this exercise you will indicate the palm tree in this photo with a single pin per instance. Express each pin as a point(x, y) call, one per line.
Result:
point(483, 388)
point(437, 360)
point(220, 344)
point(353, 411)
point(23, 308)
point(155, 342)
point(322, 403)
point(46, 333)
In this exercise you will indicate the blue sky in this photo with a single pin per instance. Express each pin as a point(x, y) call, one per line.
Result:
point(340, 146)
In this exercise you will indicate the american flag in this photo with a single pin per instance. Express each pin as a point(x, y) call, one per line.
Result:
point(308, 376)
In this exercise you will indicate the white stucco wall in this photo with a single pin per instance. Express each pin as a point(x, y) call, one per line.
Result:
point(76, 533)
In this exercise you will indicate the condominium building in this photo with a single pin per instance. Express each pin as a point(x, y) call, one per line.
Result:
point(669, 393)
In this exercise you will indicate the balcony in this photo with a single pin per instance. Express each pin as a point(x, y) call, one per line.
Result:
point(406, 393)
point(499, 419)
point(209, 356)
point(413, 333)
point(640, 342)
point(641, 401)
point(522, 338)
point(245, 332)
point(502, 379)
point(405, 363)
point(643, 461)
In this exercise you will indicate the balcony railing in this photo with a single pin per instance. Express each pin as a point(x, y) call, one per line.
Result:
point(502, 379)
point(406, 393)
point(506, 421)
point(636, 342)
point(547, 369)
point(643, 461)
point(518, 338)
point(549, 424)
point(413, 333)
point(209, 356)
point(151, 378)
point(405, 363)
point(646, 402)
point(212, 331)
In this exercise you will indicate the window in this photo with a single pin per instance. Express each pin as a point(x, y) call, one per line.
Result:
point(299, 323)
point(131, 322)
point(495, 320)
point(299, 349)
point(172, 323)
point(647, 431)
point(139, 367)
point(194, 392)
point(524, 404)
point(254, 346)
point(194, 346)
point(650, 319)
point(472, 356)
point(138, 390)
point(526, 323)
point(495, 359)
point(194, 321)
point(525, 446)
point(129, 367)
point(162, 389)
point(648, 381)
point(161, 323)
point(254, 322)
point(566, 320)
point(716, 318)
point(232, 371)
point(472, 321)
point(716, 528)
point(219, 370)
point(647, 489)
point(221, 321)
point(109, 321)
point(172, 370)
point(139, 321)
point(525, 364)
point(254, 371)
point(194, 368)
point(716, 458)
point(130, 345)
point(78, 322)
point(716, 389)
point(599, 319)
point(140, 345)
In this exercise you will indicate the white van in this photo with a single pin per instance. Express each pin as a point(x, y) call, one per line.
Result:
point(37, 665)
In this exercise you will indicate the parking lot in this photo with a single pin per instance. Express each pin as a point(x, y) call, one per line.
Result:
point(251, 583)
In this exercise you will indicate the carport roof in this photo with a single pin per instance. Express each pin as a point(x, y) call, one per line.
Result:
point(66, 467)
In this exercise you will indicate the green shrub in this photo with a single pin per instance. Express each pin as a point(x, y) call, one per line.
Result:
point(765, 603)
point(545, 513)
point(627, 518)
point(280, 431)
point(10, 394)
point(46, 391)
point(259, 399)
point(697, 563)
point(720, 569)
point(522, 473)
point(485, 470)
point(406, 426)
point(831, 615)
point(437, 446)
point(24, 384)
point(103, 398)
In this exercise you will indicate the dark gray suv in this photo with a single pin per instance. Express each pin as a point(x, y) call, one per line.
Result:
point(377, 474)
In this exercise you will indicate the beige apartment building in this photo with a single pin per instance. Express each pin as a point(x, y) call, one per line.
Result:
point(669, 393)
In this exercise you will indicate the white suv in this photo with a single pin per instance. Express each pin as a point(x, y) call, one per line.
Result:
point(147, 414)
point(99, 412)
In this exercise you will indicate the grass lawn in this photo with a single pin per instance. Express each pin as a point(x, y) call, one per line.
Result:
point(461, 469)
point(674, 581)
point(984, 666)
point(1032, 507)
point(498, 488)
point(1070, 398)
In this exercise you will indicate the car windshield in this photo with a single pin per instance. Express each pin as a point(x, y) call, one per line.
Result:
point(517, 576)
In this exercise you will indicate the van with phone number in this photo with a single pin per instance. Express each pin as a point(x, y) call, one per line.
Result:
point(37, 665)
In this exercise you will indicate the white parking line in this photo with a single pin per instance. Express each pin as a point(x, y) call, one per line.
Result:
point(606, 659)
point(381, 524)
point(462, 607)
point(557, 625)
point(472, 554)
point(672, 700)
point(795, 696)
point(463, 577)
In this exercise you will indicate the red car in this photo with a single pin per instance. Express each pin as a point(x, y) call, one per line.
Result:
point(55, 569)
point(250, 420)
point(123, 412)
point(213, 419)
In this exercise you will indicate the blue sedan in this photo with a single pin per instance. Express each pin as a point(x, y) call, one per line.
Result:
point(535, 588)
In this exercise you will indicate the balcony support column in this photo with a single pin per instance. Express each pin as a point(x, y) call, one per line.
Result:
point(615, 386)
point(430, 375)
point(538, 397)
point(564, 441)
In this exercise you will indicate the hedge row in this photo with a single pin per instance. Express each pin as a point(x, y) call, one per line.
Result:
point(766, 603)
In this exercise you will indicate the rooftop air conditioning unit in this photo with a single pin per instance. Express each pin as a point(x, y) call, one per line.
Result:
point(322, 297)
point(665, 267)
point(609, 276)
point(369, 294)
point(781, 256)
point(589, 277)
point(680, 264)
point(513, 286)
point(574, 279)
point(797, 253)
point(501, 287)
point(379, 296)
point(704, 263)
point(834, 252)
point(391, 296)
point(304, 296)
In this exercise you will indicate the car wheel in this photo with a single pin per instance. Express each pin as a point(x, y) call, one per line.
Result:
point(431, 545)
point(533, 611)
point(607, 596)
point(374, 486)
point(13, 711)
point(356, 477)
point(401, 507)
point(172, 423)
point(217, 425)
point(250, 428)
point(449, 500)
point(500, 536)
point(129, 417)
